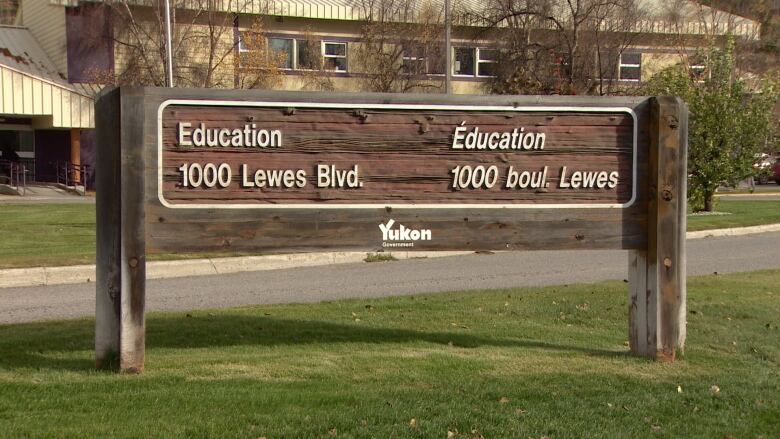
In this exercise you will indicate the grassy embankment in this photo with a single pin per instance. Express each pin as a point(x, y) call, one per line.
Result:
point(537, 362)
point(741, 213)
point(64, 234)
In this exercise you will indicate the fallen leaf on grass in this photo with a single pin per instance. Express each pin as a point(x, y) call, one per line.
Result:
point(520, 412)
point(413, 424)
point(714, 389)
point(451, 434)
point(679, 389)
point(503, 400)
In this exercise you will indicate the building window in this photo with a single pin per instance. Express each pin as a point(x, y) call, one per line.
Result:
point(306, 55)
point(475, 61)
point(697, 66)
point(413, 61)
point(630, 67)
point(294, 54)
point(243, 52)
point(486, 62)
point(419, 60)
point(283, 48)
point(335, 56)
point(464, 61)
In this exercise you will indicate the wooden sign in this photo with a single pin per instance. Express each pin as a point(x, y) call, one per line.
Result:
point(264, 155)
point(197, 170)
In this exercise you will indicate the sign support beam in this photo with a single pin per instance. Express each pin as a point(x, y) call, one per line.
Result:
point(657, 277)
point(121, 261)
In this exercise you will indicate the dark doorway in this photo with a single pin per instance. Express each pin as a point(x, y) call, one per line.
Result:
point(51, 146)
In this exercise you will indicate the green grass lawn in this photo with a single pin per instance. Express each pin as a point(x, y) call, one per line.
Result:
point(742, 213)
point(64, 234)
point(495, 364)
point(46, 234)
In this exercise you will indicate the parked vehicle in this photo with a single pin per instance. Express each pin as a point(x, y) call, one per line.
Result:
point(776, 174)
point(763, 168)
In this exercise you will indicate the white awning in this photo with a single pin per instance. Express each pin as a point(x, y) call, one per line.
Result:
point(31, 87)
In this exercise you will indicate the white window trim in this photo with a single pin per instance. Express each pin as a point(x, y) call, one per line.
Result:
point(295, 60)
point(475, 64)
point(325, 56)
point(404, 58)
point(621, 65)
point(296, 64)
point(481, 61)
point(241, 49)
point(425, 59)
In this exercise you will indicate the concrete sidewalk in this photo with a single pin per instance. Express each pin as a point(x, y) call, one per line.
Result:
point(38, 276)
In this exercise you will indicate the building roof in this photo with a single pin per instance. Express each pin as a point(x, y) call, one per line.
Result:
point(31, 86)
point(692, 18)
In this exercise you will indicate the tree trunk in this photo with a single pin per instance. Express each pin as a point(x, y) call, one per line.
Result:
point(709, 200)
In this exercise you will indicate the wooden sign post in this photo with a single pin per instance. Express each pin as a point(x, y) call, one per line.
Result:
point(207, 170)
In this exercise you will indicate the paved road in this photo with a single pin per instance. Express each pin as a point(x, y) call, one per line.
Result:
point(500, 270)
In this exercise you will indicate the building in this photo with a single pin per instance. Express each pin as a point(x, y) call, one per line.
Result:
point(43, 118)
point(74, 46)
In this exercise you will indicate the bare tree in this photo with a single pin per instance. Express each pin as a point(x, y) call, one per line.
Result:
point(314, 73)
point(260, 66)
point(698, 29)
point(559, 46)
point(203, 42)
point(401, 45)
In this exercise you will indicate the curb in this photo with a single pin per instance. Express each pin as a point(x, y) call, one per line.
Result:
point(738, 231)
point(43, 276)
point(754, 194)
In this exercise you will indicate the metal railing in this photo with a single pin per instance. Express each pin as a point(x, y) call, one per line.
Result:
point(14, 174)
point(71, 174)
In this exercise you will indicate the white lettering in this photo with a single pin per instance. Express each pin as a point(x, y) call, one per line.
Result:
point(246, 137)
point(403, 233)
point(184, 133)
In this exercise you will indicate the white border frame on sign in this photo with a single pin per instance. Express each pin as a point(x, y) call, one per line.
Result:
point(358, 106)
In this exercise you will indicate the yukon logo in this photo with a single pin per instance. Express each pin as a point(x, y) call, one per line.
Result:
point(402, 236)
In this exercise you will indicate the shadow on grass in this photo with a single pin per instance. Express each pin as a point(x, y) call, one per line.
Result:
point(68, 345)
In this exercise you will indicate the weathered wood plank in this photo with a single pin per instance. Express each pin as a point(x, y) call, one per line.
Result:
point(665, 265)
point(669, 251)
point(403, 156)
point(637, 305)
point(133, 251)
point(289, 230)
point(682, 212)
point(108, 211)
point(121, 277)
